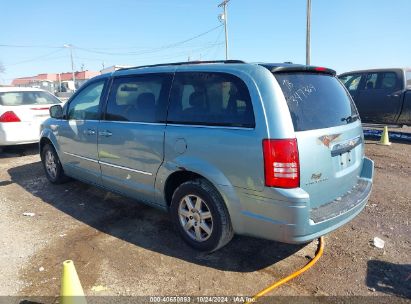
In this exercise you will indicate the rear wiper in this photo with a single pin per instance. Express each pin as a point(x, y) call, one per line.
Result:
point(351, 118)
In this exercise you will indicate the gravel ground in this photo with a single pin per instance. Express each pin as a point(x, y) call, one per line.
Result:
point(124, 248)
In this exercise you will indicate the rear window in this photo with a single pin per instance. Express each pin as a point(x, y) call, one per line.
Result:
point(316, 101)
point(27, 98)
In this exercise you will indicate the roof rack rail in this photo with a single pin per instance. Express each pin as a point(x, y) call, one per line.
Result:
point(183, 63)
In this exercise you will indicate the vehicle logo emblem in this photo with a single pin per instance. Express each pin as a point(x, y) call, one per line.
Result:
point(326, 140)
point(316, 176)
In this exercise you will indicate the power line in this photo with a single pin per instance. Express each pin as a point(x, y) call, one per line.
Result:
point(145, 48)
point(158, 49)
point(216, 46)
point(168, 55)
point(34, 59)
point(30, 46)
point(75, 54)
point(73, 47)
point(134, 54)
point(154, 55)
point(184, 53)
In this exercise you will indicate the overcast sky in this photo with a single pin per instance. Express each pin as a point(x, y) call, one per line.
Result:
point(346, 35)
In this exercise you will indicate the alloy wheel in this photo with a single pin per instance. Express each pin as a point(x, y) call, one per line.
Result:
point(195, 218)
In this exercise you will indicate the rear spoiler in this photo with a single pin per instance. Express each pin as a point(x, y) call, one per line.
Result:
point(300, 68)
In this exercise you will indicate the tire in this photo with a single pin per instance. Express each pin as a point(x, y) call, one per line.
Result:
point(208, 228)
point(52, 166)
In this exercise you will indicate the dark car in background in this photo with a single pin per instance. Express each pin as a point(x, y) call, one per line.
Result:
point(382, 96)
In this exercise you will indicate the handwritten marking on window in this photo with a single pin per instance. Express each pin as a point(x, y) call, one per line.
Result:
point(300, 94)
point(288, 84)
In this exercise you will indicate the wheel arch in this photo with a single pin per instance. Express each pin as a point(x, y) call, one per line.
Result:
point(44, 141)
point(168, 181)
point(47, 137)
point(175, 179)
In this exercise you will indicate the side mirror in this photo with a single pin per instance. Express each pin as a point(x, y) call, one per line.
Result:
point(56, 111)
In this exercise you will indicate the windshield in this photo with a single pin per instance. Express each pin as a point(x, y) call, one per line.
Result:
point(27, 98)
point(316, 101)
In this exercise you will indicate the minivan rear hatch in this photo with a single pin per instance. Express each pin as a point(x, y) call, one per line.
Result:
point(328, 131)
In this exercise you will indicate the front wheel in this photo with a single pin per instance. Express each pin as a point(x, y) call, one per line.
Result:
point(52, 166)
point(200, 215)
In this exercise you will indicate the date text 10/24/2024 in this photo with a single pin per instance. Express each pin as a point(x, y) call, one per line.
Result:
point(200, 299)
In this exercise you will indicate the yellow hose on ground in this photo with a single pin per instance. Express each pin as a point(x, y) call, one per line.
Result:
point(263, 292)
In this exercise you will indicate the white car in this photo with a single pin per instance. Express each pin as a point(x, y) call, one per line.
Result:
point(22, 110)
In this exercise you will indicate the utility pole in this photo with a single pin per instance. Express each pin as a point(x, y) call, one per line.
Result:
point(224, 5)
point(69, 46)
point(308, 39)
point(59, 75)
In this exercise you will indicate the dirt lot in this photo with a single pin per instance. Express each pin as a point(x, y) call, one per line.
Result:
point(129, 249)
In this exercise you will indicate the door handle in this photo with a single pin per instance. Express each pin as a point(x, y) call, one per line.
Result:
point(90, 132)
point(105, 133)
point(392, 95)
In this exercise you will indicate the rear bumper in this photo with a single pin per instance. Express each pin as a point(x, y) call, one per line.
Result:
point(293, 221)
point(16, 133)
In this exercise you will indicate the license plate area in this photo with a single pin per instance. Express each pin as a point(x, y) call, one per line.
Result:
point(343, 152)
point(346, 160)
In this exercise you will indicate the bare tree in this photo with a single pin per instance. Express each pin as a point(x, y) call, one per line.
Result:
point(2, 68)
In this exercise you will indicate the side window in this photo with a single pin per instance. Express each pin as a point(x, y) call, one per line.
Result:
point(140, 98)
point(351, 82)
point(371, 81)
point(389, 80)
point(86, 104)
point(216, 99)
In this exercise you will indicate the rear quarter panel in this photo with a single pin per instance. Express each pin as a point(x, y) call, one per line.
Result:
point(230, 158)
point(235, 153)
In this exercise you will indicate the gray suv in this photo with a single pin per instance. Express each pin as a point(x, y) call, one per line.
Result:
point(274, 151)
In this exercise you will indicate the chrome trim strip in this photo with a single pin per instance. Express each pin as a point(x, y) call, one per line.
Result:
point(134, 122)
point(82, 157)
point(176, 125)
point(209, 127)
point(82, 120)
point(125, 168)
point(108, 164)
point(169, 124)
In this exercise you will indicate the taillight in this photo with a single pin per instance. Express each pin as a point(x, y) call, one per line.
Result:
point(9, 116)
point(281, 163)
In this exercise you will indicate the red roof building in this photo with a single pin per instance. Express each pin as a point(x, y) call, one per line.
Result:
point(80, 77)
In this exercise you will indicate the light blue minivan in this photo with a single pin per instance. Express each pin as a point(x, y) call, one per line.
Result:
point(274, 151)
